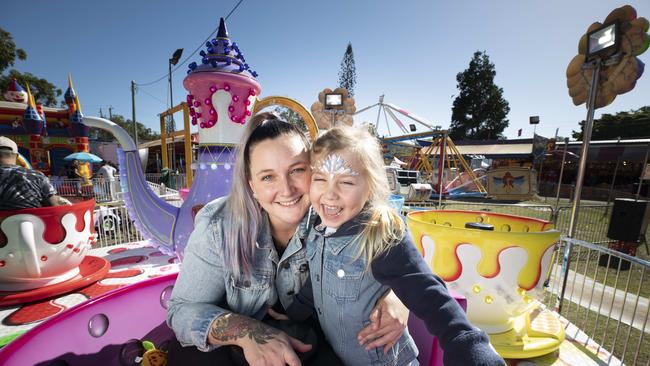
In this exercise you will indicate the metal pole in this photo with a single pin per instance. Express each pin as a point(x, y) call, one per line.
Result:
point(645, 162)
point(441, 167)
point(559, 182)
point(586, 138)
point(611, 186)
point(539, 176)
point(171, 118)
point(135, 128)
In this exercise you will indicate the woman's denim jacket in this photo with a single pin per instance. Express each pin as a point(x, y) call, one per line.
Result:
point(206, 289)
point(345, 292)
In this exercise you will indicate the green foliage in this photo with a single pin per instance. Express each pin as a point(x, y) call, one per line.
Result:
point(479, 111)
point(8, 51)
point(43, 91)
point(291, 116)
point(348, 72)
point(632, 124)
point(144, 133)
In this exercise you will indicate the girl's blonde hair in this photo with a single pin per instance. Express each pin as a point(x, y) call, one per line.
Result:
point(385, 228)
point(243, 215)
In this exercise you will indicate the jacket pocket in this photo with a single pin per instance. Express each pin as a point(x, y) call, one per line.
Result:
point(342, 278)
point(249, 294)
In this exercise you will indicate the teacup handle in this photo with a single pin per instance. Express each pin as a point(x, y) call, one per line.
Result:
point(26, 236)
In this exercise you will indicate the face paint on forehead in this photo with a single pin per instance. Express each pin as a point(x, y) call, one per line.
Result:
point(334, 165)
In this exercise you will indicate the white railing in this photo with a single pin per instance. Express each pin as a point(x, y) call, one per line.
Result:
point(605, 294)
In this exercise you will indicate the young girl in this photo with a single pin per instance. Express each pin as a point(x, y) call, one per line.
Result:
point(359, 249)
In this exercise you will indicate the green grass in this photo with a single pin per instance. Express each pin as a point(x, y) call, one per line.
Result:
point(604, 332)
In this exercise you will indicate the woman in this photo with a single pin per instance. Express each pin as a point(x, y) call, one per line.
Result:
point(246, 253)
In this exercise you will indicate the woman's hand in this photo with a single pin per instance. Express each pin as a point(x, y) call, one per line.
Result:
point(263, 345)
point(387, 323)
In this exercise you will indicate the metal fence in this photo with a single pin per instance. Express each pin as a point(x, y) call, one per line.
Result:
point(175, 181)
point(605, 295)
point(100, 189)
point(114, 226)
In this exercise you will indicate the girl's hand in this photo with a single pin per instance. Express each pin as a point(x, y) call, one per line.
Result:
point(263, 345)
point(387, 323)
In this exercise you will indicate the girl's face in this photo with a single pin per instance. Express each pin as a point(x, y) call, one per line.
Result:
point(338, 190)
point(280, 174)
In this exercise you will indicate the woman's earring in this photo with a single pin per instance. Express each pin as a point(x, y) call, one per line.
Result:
point(255, 195)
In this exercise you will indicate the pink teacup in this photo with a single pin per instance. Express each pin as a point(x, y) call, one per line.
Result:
point(43, 246)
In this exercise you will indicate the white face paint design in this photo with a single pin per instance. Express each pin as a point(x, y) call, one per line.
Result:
point(335, 165)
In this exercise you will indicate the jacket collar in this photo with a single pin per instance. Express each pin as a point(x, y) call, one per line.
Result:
point(265, 239)
point(344, 234)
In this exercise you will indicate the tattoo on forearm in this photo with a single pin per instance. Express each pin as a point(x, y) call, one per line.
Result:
point(231, 327)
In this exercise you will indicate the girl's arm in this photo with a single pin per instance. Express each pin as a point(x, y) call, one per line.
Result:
point(403, 269)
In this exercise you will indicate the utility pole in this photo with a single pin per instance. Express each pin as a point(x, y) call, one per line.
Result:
point(135, 127)
point(110, 113)
point(101, 115)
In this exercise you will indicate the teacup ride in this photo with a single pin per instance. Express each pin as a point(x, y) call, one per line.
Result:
point(43, 252)
point(499, 263)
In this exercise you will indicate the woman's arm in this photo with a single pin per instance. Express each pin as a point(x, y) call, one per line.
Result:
point(200, 285)
point(387, 323)
point(196, 318)
point(262, 344)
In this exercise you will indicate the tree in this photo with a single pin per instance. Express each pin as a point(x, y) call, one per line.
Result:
point(144, 133)
point(44, 92)
point(8, 51)
point(291, 116)
point(632, 124)
point(479, 111)
point(348, 72)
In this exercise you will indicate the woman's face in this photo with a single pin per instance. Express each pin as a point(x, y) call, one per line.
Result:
point(280, 174)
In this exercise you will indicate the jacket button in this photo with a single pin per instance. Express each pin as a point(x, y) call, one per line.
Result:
point(290, 293)
point(317, 278)
point(285, 265)
point(247, 283)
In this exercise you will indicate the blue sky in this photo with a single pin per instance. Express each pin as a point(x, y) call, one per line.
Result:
point(410, 51)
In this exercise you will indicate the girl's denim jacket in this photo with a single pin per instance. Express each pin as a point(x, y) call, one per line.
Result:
point(206, 289)
point(345, 291)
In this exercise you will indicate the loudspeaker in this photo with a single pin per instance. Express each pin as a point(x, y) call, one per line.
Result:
point(629, 219)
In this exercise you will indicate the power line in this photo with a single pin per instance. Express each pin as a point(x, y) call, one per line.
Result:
point(193, 53)
point(153, 96)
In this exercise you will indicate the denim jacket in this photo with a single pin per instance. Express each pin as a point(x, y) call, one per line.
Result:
point(345, 292)
point(206, 289)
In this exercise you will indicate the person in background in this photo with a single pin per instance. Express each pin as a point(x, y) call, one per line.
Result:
point(107, 173)
point(74, 173)
point(23, 188)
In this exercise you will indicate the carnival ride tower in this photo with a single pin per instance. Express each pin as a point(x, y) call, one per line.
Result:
point(222, 91)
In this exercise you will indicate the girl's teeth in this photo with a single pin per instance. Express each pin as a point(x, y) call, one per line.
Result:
point(332, 210)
